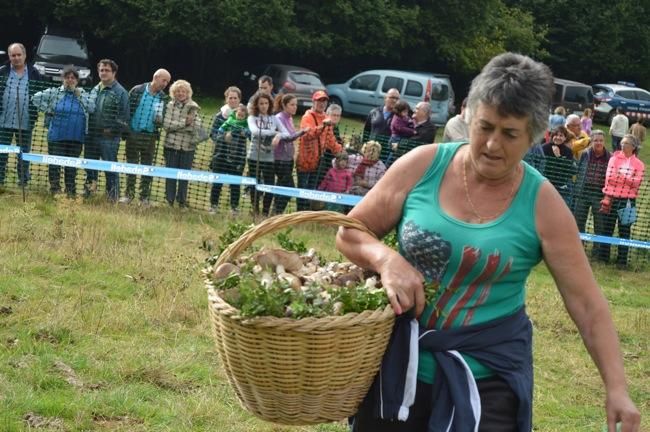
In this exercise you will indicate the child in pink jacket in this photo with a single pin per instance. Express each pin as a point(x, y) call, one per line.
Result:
point(338, 180)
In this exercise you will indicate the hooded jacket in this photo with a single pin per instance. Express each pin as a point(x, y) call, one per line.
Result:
point(624, 176)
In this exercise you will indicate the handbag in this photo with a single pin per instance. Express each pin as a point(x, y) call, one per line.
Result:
point(627, 215)
point(199, 134)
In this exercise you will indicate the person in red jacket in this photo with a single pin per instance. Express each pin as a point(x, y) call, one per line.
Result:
point(319, 138)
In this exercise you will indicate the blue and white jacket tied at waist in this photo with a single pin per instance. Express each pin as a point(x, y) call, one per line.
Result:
point(503, 345)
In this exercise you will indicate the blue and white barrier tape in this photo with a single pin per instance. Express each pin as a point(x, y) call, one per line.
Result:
point(9, 149)
point(145, 170)
point(210, 177)
point(309, 194)
point(615, 241)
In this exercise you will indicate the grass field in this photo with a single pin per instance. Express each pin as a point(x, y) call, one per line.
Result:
point(104, 326)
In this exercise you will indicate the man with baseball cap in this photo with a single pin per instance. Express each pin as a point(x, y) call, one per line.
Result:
point(318, 138)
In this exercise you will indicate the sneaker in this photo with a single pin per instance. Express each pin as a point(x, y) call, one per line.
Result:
point(212, 210)
point(90, 188)
point(144, 202)
point(125, 200)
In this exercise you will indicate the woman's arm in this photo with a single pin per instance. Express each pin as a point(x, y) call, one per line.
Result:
point(174, 120)
point(254, 124)
point(585, 302)
point(42, 99)
point(380, 210)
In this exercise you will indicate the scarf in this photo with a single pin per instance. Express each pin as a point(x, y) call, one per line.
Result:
point(363, 166)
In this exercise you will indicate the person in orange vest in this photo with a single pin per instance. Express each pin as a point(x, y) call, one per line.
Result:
point(313, 144)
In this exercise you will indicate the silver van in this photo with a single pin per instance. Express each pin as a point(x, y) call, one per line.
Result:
point(367, 90)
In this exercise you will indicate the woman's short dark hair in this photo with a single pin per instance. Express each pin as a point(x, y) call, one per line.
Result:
point(560, 129)
point(281, 101)
point(515, 85)
point(108, 62)
point(256, 98)
point(70, 69)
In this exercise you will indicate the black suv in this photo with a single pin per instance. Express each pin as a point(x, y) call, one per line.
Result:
point(60, 48)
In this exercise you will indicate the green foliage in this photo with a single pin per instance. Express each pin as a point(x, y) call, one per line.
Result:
point(255, 299)
point(117, 295)
point(391, 241)
point(289, 244)
point(233, 231)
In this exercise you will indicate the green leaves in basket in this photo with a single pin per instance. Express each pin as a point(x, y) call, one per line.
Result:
point(255, 298)
point(359, 298)
point(289, 244)
point(233, 231)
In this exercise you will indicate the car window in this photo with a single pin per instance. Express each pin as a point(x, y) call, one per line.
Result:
point(577, 94)
point(602, 92)
point(439, 92)
point(392, 82)
point(413, 88)
point(62, 46)
point(642, 96)
point(627, 94)
point(365, 82)
point(306, 78)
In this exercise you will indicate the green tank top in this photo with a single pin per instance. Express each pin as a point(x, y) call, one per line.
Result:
point(481, 268)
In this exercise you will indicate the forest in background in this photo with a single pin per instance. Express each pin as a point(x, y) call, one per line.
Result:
point(211, 42)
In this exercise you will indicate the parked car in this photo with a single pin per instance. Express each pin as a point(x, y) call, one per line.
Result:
point(367, 90)
point(573, 96)
point(296, 80)
point(59, 48)
point(635, 101)
point(452, 94)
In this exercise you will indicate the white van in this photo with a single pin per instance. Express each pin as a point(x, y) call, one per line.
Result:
point(367, 90)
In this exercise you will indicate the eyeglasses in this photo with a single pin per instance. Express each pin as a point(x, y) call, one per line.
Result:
point(393, 97)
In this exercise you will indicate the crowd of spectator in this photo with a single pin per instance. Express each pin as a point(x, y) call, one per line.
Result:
point(259, 139)
point(590, 178)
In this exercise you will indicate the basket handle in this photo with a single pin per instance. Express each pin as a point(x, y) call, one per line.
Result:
point(278, 222)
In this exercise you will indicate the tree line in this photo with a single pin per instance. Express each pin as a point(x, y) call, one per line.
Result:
point(210, 42)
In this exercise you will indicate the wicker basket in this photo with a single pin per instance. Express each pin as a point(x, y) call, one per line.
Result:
point(298, 372)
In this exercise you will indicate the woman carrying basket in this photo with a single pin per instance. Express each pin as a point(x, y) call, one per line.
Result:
point(475, 219)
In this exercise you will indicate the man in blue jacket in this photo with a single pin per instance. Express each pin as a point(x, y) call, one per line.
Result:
point(17, 115)
point(146, 102)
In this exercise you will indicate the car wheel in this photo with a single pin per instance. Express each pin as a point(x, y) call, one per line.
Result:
point(336, 100)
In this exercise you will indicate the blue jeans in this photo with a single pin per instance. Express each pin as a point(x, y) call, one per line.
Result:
point(22, 167)
point(306, 180)
point(105, 147)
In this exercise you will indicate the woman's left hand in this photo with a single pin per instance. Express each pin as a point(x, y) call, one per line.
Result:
point(620, 408)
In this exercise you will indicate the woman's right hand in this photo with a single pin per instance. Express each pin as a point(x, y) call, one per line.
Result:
point(404, 285)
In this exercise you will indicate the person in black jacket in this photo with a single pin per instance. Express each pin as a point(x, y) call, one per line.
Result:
point(425, 131)
point(560, 166)
point(18, 83)
point(377, 126)
point(146, 102)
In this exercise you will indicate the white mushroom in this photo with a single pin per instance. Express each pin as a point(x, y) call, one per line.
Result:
point(266, 279)
point(224, 270)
